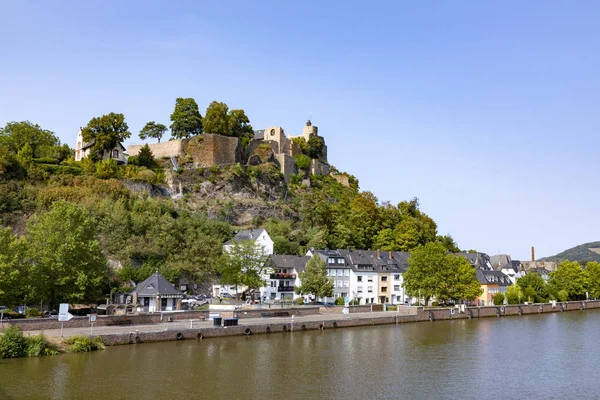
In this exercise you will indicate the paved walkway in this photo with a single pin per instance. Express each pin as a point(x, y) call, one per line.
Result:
point(196, 324)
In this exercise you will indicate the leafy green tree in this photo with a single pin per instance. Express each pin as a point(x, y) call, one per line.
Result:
point(498, 299)
point(448, 242)
point(153, 130)
point(145, 157)
point(537, 284)
point(514, 294)
point(593, 269)
point(67, 263)
point(107, 169)
point(216, 119)
point(434, 273)
point(244, 264)
point(12, 274)
point(239, 125)
point(282, 245)
point(314, 279)
point(314, 147)
point(302, 161)
point(186, 119)
point(15, 135)
point(107, 132)
point(569, 276)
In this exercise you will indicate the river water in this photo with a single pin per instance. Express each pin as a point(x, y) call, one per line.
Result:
point(551, 356)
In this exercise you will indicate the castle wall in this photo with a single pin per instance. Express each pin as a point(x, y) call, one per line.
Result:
point(319, 168)
point(172, 148)
point(208, 150)
point(287, 165)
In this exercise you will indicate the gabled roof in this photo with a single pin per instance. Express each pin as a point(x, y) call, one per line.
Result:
point(514, 265)
point(487, 277)
point(156, 285)
point(246, 235)
point(478, 260)
point(287, 261)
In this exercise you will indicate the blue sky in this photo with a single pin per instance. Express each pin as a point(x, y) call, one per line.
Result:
point(485, 111)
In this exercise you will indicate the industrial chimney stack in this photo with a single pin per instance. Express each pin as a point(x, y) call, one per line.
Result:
point(532, 253)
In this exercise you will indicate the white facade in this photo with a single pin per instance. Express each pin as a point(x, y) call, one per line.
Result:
point(363, 286)
point(81, 151)
point(397, 295)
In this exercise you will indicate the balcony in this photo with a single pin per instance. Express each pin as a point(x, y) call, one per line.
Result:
point(285, 288)
point(280, 275)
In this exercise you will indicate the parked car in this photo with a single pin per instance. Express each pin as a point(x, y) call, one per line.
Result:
point(226, 296)
point(50, 314)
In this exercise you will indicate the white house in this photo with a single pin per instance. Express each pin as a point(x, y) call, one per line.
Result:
point(83, 149)
point(156, 294)
point(283, 277)
point(511, 269)
point(262, 239)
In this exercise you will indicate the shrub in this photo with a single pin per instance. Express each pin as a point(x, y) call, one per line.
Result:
point(83, 344)
point(38, 345)
point(392, 308)
point(32, 313)
point(340, 301)
point(354, 302)
point(498, 299)
point(146, 176)
point(563, 295)
point(303, 161)
point(12, 343)
point(299, 301)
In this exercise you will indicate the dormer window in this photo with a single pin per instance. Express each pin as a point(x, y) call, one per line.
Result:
point(115, 153)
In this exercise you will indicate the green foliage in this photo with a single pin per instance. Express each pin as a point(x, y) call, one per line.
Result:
point(12, 343)
point(534, 287)
point(38, 346)
point(514, 294)
point(498, 299)
point(354, 302)
point(593, 269)
point(314, 147)
point(145, 158)
point(434, 273)
point(66, 262)
point(107, 132)
point(145, 175)
point(563, 295)
point(314, 279)
point(83, 344)
point(12, 268)
point(299, 301)
point(243, 265)
point(216, 119)
point(339, 301)
point(107, 169)
point(186, 119)
point(282, 245)
point(583, 254)
point(570, 277)
point(16, 136)
point(153, 130)
point(303, 162)
point(448, 242)
point(32, 312)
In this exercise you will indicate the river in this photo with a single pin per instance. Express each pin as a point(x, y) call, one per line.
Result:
point(552, 356)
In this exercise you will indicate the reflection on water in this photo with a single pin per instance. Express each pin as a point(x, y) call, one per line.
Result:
point(537, 356)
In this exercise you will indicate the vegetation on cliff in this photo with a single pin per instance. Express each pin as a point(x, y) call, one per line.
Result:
point(583, 253)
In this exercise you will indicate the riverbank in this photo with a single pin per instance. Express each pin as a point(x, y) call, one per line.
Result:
point(186, 329)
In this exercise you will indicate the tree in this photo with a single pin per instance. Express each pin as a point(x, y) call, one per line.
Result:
point(153, 130)
point(434, 273)
point(107, 132)
point(448, 242)
point(314, 279)
point(569, 276)
point(145, 157)
point(498, 299)
point(15, 135)
point(67, 263)
point(11, 267)
point(243, 265)
point(314, 147)
point(593, 269)
point(514, 294)
point(303, 162)
point(186, 119)
point(216, 119)
point(239, 124)
point(539, 289)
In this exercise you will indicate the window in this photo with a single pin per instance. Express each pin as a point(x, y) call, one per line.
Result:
point(396, 277)
point(359, 278)
point(115, 153)
point(340, 283)
point(346, 272)
point(346, 283)
point(340, 272)
point(383, 289)
point(331, 260)
point(359, 289)
point(370, 289)
point(396, 288)
point(340, 261)
point(384, 279)
point(370, 279)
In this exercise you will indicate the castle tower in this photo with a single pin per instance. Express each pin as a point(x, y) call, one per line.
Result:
point(309, 130)
point(276, 134)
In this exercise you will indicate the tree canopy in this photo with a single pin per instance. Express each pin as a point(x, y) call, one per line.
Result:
point(11, 267)
point(106, 132)
point(153, 130)
point(314, 279)
point(243, 264)
point(433, 273)
point(16, 135)
point(220, 120)
point(186, 119)
point(570, 277)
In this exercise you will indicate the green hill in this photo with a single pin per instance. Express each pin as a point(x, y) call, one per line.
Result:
point(583, 254)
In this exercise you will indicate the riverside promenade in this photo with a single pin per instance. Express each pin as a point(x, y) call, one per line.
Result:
point(191, 328)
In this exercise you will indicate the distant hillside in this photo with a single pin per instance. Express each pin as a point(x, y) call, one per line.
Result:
point(582, 254)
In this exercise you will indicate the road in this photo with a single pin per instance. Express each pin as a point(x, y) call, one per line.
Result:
point(196, 324)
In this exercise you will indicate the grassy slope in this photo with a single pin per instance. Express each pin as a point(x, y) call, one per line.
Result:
point(581, 253)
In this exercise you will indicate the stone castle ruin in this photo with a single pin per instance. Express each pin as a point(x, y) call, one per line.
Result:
point(268, 145)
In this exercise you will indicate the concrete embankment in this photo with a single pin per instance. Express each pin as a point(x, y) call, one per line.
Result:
point(329, 321)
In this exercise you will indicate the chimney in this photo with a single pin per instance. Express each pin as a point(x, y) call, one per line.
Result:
point(390, 254)
point(532, 253)
point(378, 254)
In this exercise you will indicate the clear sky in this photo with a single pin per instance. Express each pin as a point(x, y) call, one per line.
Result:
point(486, 111)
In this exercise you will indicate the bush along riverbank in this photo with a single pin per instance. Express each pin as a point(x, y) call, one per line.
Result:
point(14, 344)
